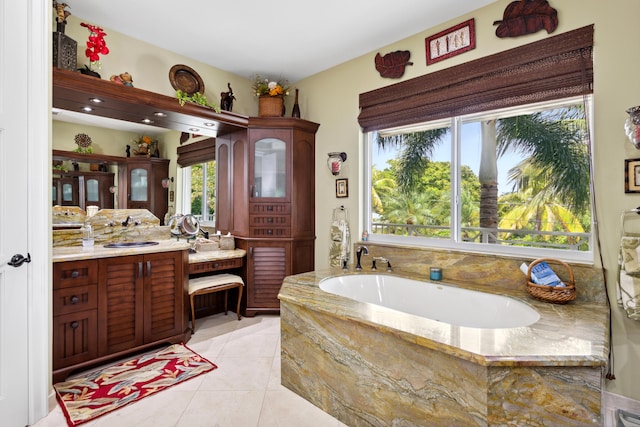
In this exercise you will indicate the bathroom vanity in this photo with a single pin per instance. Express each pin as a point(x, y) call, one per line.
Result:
point(111, 302)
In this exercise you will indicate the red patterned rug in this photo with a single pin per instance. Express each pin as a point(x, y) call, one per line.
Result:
point(99, 392)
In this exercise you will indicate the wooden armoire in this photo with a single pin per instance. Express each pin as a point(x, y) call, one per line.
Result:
point(266, 198)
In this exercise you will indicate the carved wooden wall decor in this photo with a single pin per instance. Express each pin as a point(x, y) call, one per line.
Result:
point(392, 65)
point(527, 17)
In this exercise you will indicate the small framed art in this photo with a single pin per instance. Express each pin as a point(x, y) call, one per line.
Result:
point(342, 188)
point(451, 42)
point(632, 176)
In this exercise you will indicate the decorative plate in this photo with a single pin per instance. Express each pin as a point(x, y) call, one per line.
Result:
point(185, 79)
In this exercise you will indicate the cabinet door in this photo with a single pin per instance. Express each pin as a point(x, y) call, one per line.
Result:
point(268, 165)
point(121, 305)
point(268, 263)
point(139, 185)
point(163, 295)
point(74, 338)
point(69, 190)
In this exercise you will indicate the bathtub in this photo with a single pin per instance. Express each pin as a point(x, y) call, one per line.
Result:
point(360, 353)
point(436, 301)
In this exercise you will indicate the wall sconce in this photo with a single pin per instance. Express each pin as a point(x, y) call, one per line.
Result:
point(166, 182)
point(335, 160)
point(632, 126)
point(113, 189)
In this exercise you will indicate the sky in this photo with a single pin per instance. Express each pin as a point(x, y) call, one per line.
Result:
point(470, 155)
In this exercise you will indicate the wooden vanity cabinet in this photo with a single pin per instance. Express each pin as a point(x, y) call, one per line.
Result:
point(140, 301)
point(140, 180)
point(110, 307)
point(271, 209)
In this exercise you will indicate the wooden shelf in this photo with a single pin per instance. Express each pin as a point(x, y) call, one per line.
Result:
point(72, 91)
point(87, 158)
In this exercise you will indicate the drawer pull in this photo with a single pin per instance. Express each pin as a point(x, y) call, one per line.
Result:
point(148, 268)
point(75, 274)
point(74, 325)
point(75, 299)
point(139, 270)
point(270, 208)
point(270, 220)
point(216, 265)
point(269, 231)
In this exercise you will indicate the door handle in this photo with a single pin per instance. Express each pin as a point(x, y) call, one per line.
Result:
point(18, 259)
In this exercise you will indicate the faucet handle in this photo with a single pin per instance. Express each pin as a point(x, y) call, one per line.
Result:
point(373, 264)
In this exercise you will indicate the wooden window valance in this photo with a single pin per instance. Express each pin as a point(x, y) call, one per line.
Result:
point(197, 152)
point(556, 67)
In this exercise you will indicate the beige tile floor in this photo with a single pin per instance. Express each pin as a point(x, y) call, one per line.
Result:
point(244, 391)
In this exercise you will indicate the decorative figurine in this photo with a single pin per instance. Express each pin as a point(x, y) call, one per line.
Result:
point(124, 79)
point(61, 15)
point(128, 151)
point(226, 99)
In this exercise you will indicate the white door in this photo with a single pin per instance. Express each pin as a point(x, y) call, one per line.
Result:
point(23, 156)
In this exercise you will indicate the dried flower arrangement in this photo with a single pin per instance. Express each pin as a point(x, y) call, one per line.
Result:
point(264, 86)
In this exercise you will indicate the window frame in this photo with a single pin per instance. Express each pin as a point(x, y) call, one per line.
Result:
point(455, 242)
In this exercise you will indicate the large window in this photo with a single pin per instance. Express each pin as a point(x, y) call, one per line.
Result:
point(514, 181)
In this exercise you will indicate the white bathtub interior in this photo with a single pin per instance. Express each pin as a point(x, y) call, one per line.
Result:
point(434, 300)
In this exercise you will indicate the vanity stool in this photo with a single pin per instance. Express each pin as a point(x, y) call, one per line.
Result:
point(214, 283)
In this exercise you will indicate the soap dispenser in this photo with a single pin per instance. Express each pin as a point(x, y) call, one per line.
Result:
point(87, 235)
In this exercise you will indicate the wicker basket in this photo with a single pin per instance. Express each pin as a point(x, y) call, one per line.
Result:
point(553, 294)
point(270, 106)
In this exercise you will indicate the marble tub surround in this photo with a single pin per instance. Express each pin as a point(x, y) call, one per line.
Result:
point(107, 226)
point(369, 365)
point(481, 271)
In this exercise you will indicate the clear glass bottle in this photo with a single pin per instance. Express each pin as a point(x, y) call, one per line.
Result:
point(87, 235)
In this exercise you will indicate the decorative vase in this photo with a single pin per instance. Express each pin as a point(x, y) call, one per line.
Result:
point(89, 72)
point(65, 51)
point(296, 108)
point(270, 106)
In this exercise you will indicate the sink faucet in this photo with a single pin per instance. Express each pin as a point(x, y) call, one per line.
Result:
point(126, 221)
point(361, 250)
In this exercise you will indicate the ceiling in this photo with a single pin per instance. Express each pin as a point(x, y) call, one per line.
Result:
point(289, 39)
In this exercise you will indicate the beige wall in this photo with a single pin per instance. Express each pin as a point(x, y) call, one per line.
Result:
point(331, 99)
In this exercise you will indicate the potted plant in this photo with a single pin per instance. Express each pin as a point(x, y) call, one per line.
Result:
point(96, 46)
point(270, 95)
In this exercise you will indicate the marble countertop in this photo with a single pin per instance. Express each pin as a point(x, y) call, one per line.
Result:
point(76, 253)
point(566, 335)
point(216, 255)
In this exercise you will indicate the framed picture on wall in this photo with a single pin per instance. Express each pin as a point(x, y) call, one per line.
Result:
point(451, 42)
point(342, 188)
point(632, 176)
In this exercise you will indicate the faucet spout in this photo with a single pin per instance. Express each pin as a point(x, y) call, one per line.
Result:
point(126, 221)
point(359, 252)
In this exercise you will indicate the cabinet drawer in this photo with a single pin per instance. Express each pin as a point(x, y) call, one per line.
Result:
point(269, 221)
point(223, 264)
point(75, 273)
point(269, 208)
point(269, 231)
point(71, 300)
point(75, 338)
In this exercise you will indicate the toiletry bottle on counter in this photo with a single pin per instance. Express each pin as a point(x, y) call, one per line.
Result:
point(365, 235)
point(87, 235)
point(435, 273)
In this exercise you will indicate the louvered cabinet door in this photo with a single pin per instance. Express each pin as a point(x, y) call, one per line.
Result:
point(163, 295)
point(268, 263)
point(120, 303)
